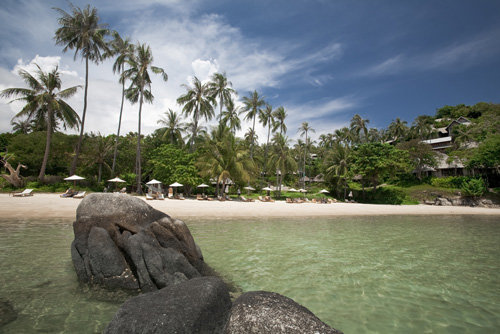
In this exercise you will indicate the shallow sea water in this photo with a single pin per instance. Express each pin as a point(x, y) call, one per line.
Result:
point(390, 274)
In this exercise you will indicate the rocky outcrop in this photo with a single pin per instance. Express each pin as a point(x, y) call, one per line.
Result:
point(200, 305)
point(462, 201)
point(122, 242)
point(269, 312)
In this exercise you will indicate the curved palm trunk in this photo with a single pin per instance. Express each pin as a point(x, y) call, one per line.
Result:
point(41, 176)
point(80, 139)
point(118, 132)
point(195, 131)
point(138, 155)
point(305, 154)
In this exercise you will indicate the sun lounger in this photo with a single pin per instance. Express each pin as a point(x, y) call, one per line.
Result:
point(68, 193)
point(24, 193)
point(81, 194)
point(244, 199)
point(200, 197)
point(289, 200)
point(268, 199)
point(149, 197)
point(160, 196)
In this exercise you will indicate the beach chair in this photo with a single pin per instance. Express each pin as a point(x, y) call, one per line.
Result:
point(200, 197)
point(268, 199)
point(261, 199)
point(24, 193)
point(149, 197)
point(181, 196)
point(160, 197)
point(80, 194)
point(69, 193)
point(289, 200)
point(123, 190)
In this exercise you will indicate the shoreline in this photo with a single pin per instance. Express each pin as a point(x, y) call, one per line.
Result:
point(45, 205)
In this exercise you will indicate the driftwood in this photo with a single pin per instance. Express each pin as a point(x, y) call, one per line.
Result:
point(14, 178)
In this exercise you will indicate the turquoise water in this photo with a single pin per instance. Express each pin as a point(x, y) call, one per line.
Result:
point(361, 275)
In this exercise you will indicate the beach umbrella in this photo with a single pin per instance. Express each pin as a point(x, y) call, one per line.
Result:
point(117, 180)
point(302, 190)
point(293, 190)
point(249, 188)
point(175, 185)
point(153, 181)
point(324, 191)
point(203, 186)
point(74, 178)
point(153, 184)
point(267, 189)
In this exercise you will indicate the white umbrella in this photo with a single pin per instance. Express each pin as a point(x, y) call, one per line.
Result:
point(267, 189)
point(176, 184)
point(153, 181)
point(117, 180)
point(249, 188)
point(74, 178)
point(293, 190)
point(324, 191)
point(203, 185)
point(302, 190)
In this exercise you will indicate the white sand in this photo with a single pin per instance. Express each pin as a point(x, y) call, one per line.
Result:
point(52, 206)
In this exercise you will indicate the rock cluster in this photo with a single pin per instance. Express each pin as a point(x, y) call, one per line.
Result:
point(462, 201)
point(122, 242)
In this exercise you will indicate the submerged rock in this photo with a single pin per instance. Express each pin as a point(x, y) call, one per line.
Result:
point(269, 312)
point(7, 312)
point(200, 305)
point(122, 242)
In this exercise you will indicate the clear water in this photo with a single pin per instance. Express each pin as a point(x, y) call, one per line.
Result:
point(361, 275)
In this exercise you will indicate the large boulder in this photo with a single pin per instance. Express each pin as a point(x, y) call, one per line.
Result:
point(200, 305)
point(269, 312)
point(122, 242)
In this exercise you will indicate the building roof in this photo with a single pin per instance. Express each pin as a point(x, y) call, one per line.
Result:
point(437, 140)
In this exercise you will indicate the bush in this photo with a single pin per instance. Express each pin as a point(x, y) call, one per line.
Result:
point(383, 195)
point(449, 182)
point(473, 188)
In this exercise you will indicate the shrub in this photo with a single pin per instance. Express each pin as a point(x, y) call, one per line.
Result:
point(449, 182)
point(473, 188)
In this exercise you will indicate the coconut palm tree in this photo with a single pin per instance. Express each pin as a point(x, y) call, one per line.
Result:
point(219, 87)
point(282, 158)
point(279, 116)
point(422, 127)
point(358, 125)
point(173, 127)
point(230, 118)
point(338, 165)
point(22, 126)
point(80, 30)
point(44, 98)
point(98, 152)
point(139, 65)
point(225, 157)
point(251, 137)
point(199, 103)
point(398, 129)
point(123, 50)
point(251, 106)
point(304, 130)
point(266, 118)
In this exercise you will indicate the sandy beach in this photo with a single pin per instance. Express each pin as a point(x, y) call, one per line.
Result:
point(52, 206)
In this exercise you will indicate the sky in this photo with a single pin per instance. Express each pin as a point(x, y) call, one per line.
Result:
point(323, 61)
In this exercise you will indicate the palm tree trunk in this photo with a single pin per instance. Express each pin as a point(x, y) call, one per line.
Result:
point(195, 130)
point(41, 176)
point(118, 132)
point(253, 139)
point(304, 173)
point(80, 139)
point(99, 175)
point(138, 155)
point(267, 147)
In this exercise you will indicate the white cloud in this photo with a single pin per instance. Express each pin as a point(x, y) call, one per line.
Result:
point(45, 63)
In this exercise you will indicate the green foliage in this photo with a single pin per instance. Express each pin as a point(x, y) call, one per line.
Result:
point(169, 164)
point(487, 154)
point(375, 161)
point(473, 188)
point(448, 182)
point(383, 195)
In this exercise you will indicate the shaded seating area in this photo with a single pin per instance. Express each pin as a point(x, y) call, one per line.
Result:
point(24, 193)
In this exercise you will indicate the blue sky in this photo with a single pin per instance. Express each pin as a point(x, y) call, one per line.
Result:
point(324, 61)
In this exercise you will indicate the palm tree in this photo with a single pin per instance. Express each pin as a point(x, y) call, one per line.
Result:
point(44, 97)
point(282, 158)
point(422, 127)
point(123, 50)
point(251, 137)
point(251, 106)
point(80, 30)
point(304, 130)
point(279, 116)
point(220, 87)
point(358, 124)
point(266, 118)
point(343, 136)
point(173, 127)
point(21, 126)
point(225, 157)
point(198, 102)
point(98, 153)
point(338, 165)
point(140, 90)
point(230, 118)
point(398, 129)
